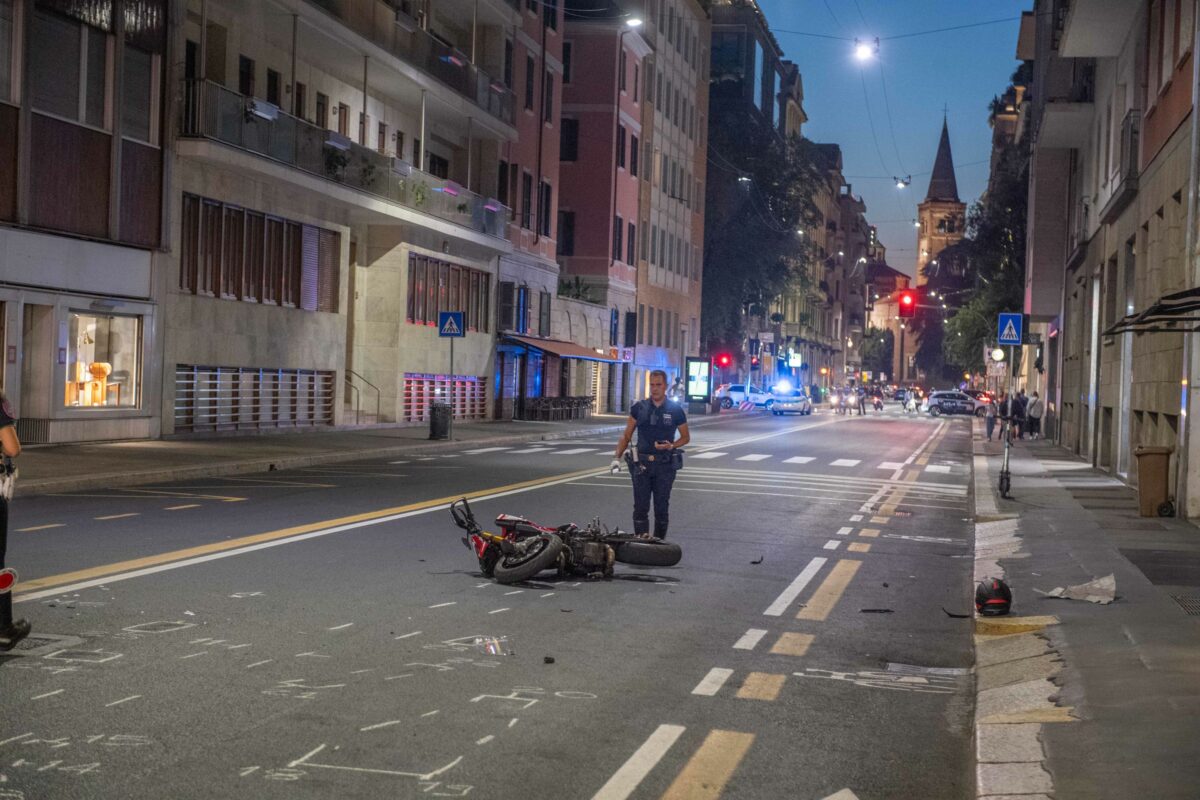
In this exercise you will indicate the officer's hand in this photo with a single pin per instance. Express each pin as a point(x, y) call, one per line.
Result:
point(662, 445)
point(615, 466)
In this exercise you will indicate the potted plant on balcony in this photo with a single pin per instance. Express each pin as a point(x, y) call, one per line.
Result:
point(335, 161)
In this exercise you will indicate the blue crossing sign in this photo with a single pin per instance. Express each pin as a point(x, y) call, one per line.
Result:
point(1009, 329)
point(450, 323)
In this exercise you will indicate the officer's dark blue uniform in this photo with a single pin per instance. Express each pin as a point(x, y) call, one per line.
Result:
point(654, 472)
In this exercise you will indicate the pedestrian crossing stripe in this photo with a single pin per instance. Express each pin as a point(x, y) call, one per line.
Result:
point(1010, 333)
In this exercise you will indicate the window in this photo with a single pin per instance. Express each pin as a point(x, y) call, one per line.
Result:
point(616, 242)
point(300, 101)
point(103, 361)
point(438, 166)
point(521, 323)
point(505, 294)
point(416, 153)
point(543, 314)
point(633, 155)
point(529, 83)
point(382, 138)
point(6, 49)
point(526, 201)
point(322, 111)
point(622, 68)
point(568, 47)
point(641, 312)
point(569, 139)
point(246, 76)
point(631, 324)
point(620, 145)
point(636, 83)
point(69, 69)
point(548, 98)
point(137, 106)
point(274, 90)
point(508, 62)
point(550, 14)
point(1187, 16)
point(343, 119)
point(545, 195)
point(502, 183)
point(631, 244)
point(435, 286)
point(614, 324)
point(654, 244)
point(566, 233)
point(1170, 33)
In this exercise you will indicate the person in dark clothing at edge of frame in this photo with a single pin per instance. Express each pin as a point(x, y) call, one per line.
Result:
point(10, 447)
point(656, 420)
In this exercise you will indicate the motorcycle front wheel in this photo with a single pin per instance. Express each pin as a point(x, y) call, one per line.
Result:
point(649, 553)
point(540, 554)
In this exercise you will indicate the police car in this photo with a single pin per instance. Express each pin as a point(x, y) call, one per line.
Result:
point(947, 402)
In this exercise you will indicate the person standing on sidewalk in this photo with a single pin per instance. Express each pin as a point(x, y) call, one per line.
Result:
point(11, 631)
point(657, 420)
point(1035, 411)
point(989, 415)
point(1018, 413)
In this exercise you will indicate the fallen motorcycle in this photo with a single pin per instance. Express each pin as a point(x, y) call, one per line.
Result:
point(522, 548)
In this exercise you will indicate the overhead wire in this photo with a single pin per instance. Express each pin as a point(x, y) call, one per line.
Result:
point(887, 106)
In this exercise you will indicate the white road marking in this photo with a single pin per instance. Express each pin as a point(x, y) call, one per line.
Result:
point(498, 610)
point(48, 694)
point(485, 450)
point(626, 779)
point(397, 462)
point(845, 462)
point(547, 594)
point(123, 700)
point(339, 627)
point(711, 683)
point(515, 591)
point(750, 639)
point(944, 470)
point(832, 544)
point(259, 663)
point(117, 516)
point(482, 585)
point(846, 530)
point(794, 588)
point(15, 738)
point(381, 725)
point(431, 713)
point(855, 518)
point(529, 450)
point(754, 457)
point(512, 722)
point(890, 465)
point(443, 605)
point(193, 655)
point(407, 635)
point(709, 454)
point(575, 451)
point(485, 739)
point(798, 460)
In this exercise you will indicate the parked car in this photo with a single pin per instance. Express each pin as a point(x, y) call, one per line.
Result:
point(948, 402)
point(791, 402)
point(982, 400)
point(732, 394)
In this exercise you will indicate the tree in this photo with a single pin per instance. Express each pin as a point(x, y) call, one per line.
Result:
point(761, 190)
point(878, 348)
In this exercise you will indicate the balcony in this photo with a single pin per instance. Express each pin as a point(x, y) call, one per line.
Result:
point(402, 38)
point(213, 112)
point(1125, 181)
point(1097, 28)
point(1070, 97)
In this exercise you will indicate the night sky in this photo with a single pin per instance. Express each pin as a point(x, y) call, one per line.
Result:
point(918, 75)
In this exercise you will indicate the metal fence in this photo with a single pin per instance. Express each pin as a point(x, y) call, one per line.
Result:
point(248, 398)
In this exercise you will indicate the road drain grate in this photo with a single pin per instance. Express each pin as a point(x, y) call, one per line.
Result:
point(1190, 603)
point(42, 644)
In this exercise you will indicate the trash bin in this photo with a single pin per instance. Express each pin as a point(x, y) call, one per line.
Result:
point(1153, 464)
point(439, 420)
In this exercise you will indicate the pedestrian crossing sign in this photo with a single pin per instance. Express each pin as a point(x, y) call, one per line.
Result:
point(1009, 329)
point(450, 323)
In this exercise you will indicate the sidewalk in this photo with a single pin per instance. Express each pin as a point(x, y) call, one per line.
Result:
point(1078, 699)
point(74, 467)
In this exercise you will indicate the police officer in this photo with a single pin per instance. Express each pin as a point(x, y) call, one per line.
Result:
point(656, 420)
point(11, 631)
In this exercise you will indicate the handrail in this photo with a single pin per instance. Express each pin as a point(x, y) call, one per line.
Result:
point(378, 394)
point(357, 400)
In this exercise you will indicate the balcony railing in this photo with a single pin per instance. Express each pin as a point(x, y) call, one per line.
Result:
point(213, 112)
point(417, 47)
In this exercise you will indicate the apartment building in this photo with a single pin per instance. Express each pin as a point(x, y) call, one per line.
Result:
point(1109, 111)
point(84, 118)
point(599, 209)
point(336, 186)
point(674, 86)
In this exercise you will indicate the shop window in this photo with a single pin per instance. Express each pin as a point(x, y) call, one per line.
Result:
point(103, 361)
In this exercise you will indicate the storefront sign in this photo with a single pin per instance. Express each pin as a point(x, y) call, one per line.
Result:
point(795, 360)
point(766, 337)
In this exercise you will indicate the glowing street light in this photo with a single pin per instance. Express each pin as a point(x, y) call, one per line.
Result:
point(634, 22)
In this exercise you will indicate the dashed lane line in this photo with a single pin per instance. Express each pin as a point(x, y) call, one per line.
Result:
point(627, 778)
point(830, 591)
point(706, 773)
point(858, 547)
point(181, 508)
point(761, 686)
point(799, 460)
point(792, 644)
point(117, 516)
point(788, 595)
point(832, 544)
point(711, 683)
point(750, 639)
point(845, 462)
point(33, 528)
point(710, 454)
point(754, 457)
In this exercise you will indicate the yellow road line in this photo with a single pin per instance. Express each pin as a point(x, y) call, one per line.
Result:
point(792, 644)
point(761, 686)
point(870, 533)
point(880, 520)
point(831, 589)
point(103, 570)
point(859, 547)
point(41, 527)
point(118, 516)
point(710, 768)
point(181, 508)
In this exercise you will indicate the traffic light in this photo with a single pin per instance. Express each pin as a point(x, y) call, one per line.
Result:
point(908, 303)
point(723, 360)
point(754, 362)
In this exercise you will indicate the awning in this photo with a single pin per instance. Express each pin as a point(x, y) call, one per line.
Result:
point(560, 348)
point(1173, 313)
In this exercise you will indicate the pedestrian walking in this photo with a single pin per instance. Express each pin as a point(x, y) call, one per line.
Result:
point(862, 401)
point(1019, 413)
point(989, 416)
point(1035, 411)
point(658, 421)
point(11, 631)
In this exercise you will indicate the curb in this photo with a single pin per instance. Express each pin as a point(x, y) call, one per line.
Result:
point(40, 486)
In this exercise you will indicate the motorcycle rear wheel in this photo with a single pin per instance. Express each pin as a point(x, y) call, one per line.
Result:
point(649, 553)
point(540, 554)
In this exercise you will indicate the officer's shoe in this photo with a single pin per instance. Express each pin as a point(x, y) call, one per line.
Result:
point(644, 535)
point(14, 633)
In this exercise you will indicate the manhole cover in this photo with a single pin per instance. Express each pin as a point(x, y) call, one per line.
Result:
point(42, 644)
point(1190, 603)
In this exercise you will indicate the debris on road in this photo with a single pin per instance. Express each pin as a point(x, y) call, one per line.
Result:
point(955, 616)
point(548, 659)
point(1101, 590)
point(493, 645)
point(758, 560)
point(875, 611)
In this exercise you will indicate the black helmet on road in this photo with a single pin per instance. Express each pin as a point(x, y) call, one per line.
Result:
point(993, 598)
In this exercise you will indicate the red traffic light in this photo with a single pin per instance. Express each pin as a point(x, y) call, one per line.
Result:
point(908, 303)
point(724, 360)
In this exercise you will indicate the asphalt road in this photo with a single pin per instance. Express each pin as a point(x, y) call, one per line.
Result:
point(312, 633)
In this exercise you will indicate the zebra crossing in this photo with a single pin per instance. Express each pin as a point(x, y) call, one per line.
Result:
point(549, 449)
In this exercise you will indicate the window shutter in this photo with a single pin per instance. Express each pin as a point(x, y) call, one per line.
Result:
point(504, 299)
point(309, 268)
point(329, 249)
point(544, 314)
point(630, 328)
